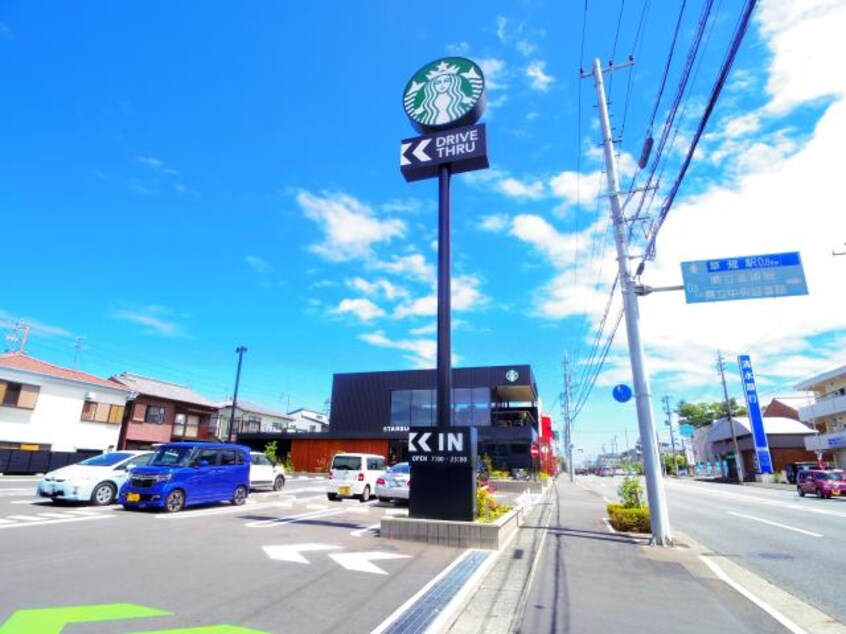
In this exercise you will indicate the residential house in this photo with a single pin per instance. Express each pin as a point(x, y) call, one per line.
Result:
point(58, 414)
point(307, 420)
point(786, 438)
point(251, 418)
point(161, 412)
point(827, 412)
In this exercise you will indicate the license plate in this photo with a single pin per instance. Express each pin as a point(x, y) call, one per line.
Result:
point(133, 497)
point(835, 492)
point(343, 490)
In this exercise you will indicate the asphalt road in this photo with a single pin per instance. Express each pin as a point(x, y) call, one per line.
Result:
point(798, 544)
point(285, 562)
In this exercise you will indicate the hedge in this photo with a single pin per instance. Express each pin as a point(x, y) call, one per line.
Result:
point(628, 520)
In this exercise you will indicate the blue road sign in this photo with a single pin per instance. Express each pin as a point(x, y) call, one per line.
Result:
point(745, 277)
point(622, 393)
point(753, 407)
point(687, 430)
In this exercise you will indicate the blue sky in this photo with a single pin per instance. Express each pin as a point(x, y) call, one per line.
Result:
point(179, 180)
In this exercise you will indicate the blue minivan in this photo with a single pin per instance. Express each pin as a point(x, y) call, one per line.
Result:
point(181, 474)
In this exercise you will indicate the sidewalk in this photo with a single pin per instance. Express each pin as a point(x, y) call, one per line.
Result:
point(566, 572)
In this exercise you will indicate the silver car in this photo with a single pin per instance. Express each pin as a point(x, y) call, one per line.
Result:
point(394, 484)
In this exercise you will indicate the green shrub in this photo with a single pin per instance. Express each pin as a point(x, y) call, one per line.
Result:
point(500, 474)
point(270, 451)
point(487, 508)
point(289, 464)
point(628, 520)
point(631, 493)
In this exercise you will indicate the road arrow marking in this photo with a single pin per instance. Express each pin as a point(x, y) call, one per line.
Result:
point(53, 620)
point(292, 552)
point(403, 149)
point(419, 151)
point(360, 562)
point(374, 528)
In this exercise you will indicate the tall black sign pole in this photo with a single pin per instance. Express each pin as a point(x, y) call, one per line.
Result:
point(444, 371)
point(444, 100)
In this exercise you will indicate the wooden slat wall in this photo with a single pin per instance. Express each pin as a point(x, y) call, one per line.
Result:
point(315, 454)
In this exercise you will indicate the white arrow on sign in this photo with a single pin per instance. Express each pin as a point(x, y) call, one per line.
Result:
point(419, 153)
point(421, 440)
point(360, 562)
point(403, 149)
point(292, 552)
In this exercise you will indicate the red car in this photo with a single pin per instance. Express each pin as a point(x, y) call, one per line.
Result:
point(823, 483)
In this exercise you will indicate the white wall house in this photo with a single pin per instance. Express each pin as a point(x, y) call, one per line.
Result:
point(827, 407)
point(44, 406)
point(251, 418)
point(307, 420)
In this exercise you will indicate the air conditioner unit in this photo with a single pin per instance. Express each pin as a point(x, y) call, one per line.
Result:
point(90, 396)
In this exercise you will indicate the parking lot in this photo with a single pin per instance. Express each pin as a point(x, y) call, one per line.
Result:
point(288, 561)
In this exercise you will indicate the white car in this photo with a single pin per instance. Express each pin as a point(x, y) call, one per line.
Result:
point(393, 485)
point(264, 474)
point(354, 475)
point(96, 480)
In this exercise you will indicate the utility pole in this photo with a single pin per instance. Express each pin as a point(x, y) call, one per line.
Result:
point(658, 516)
point(232, 436)
point(738, 459)
point(77, 347)
point(568, 422)
point(666, 400)
point(15, 337)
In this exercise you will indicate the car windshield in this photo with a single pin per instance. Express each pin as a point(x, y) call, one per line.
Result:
point(107, 459)
point(346, 463)
point(171, 457)
point(831, 476)
point(402, 467)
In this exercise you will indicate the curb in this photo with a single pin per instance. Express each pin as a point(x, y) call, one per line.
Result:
point(793, 613)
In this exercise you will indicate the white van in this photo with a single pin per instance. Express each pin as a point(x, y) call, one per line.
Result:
point(354, 475)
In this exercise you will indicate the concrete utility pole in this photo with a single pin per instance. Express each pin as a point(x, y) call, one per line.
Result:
point(568, 422)
point(232, 436)
point(666, 400)
point(659, 517)
point(738, 459)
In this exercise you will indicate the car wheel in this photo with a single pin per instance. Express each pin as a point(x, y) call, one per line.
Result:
point(365, 495)
point(240, 496)
point(175, 501)
point(332, 496)
point(820, 493)
point(278, 483)
point(800, 492)
point(103, 494)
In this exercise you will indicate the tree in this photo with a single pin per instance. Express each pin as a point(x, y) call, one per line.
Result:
point(703, 413)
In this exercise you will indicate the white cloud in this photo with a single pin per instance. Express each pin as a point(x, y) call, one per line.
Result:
point(414, 265)
point(540, 80)
point(429, 329)
point(423, 352)
point(350, 227)
point(157, 165)
point(525, 47)
point(386, 288)
point(462, 48)
point(10, 321)
point(802, 36)
point(495, 223)
point(258, 265)
point(501, 24)
point(492, 69)
point(157, 319)
point(465, 296)
point(362, 308)
point(517, 189)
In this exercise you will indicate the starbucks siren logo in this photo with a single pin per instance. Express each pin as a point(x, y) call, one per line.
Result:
point(446, 93)
point(512, 375)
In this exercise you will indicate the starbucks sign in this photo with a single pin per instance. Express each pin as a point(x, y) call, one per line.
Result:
point(446, 93)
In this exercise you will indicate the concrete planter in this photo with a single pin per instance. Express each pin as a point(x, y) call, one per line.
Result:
point(518, 486)
point(459, 534)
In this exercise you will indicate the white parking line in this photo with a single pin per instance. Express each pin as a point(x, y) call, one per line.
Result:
point(24, 518)
point(293, 519)
point(53, 516)
point(362, 531)
point(46, 522)
point(189, 514)
point(784, 526)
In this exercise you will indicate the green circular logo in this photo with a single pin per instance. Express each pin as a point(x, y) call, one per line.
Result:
point(446, 93)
